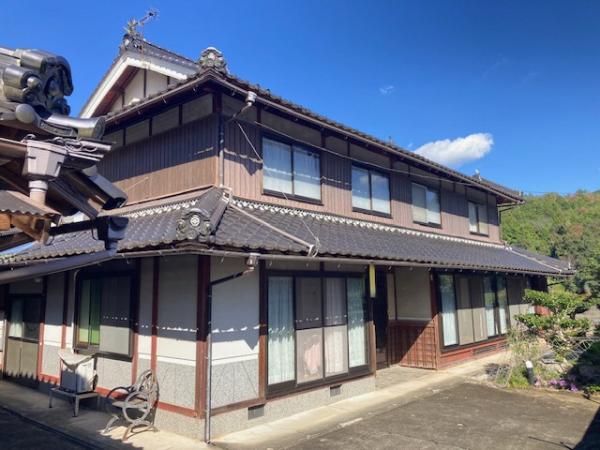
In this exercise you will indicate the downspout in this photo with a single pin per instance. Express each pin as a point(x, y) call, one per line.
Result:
point(251, 263)
point(221, 147)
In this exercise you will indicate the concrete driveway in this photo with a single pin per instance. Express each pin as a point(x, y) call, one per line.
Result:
point(472, 416)
point(17, 433)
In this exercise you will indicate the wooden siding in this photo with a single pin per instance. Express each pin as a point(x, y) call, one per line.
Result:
point(243, 173)
point(412, 343)
point(179, 159)
point(477, 350)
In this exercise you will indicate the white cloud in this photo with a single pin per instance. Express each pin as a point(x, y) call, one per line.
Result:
point(459, 151)
point(387, 89)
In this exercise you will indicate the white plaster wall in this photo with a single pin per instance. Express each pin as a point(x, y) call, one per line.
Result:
point(145, 313)
point(117, 104)
point(292, 129)
point(155, 82)
point(177, 300)
point(292, 265)
point(338, 267)
point(413, 297)
point(71, 309)
point(235, 310)
point(54, 309)
point(135, 89)
point(34, 286)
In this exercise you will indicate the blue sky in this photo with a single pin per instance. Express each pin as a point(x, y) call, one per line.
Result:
point(510, 88)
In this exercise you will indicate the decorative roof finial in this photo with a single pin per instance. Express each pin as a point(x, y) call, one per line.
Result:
point(211, 58)
point(134, 29)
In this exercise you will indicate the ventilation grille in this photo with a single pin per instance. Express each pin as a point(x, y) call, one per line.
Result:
point(256, 411)
point(335, 390)
point(486, 349)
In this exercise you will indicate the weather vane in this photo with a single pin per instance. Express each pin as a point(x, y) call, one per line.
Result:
point(135, 27)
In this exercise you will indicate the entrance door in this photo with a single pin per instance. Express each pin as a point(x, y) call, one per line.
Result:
point(22, 343)
point(380, 318)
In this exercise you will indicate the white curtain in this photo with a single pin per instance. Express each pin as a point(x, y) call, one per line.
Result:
point(336, 337)
point(16, 319)
point(361, 197)
point(335, 301)
point(483, 219)
point(433, 207)
point(309, 356)
point(380, 187)
point(357, 344)
point(307, 174)
point(277, 159)
point(490, 300)
point(419, 203)
point(281, 330)
point(473, 222)
point(502, 303)
point(448, 309)
point(336, 350)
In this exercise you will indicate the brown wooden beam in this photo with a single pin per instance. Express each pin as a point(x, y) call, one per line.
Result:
point(201, 333)
point(262, 332)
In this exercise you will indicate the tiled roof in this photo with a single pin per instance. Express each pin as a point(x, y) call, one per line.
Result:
point(250, 226)
point(13, 202)
point(148, 227)
point(282, 102)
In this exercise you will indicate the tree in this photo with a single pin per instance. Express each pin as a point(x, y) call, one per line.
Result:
point(560, 329)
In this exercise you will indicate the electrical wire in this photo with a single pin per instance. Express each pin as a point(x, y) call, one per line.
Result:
point(317, 245)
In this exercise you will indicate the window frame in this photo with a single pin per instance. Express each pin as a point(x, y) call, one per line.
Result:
point(291, 196)
point(370, 172)
point(489, 339)
point(83, 348)
point(427, 188)
point(478, 218)
point(292, 386)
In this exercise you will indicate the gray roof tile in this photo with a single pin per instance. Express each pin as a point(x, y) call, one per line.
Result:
point(250, 226)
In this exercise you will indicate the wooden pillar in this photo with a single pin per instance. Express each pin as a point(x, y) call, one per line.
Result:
point(435, 318)
point(201, 333)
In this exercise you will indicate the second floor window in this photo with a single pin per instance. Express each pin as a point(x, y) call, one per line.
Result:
point(290, 169)
point(478, 218)
point(426, 205)
point(370, 190)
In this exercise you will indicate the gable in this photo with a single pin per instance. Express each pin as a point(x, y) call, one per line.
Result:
point(131, 78)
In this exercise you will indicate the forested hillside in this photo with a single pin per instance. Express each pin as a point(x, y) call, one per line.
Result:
point(567, 227)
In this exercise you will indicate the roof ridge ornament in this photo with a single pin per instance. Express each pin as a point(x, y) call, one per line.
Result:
point(134, 30)
point(212, 58)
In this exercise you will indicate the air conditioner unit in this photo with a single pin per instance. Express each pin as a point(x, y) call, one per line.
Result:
point(77, 372)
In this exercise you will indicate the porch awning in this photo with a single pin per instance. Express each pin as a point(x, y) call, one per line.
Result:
point(218, 222)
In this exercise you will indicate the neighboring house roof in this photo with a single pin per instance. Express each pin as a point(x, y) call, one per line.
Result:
point(228, 80)
point(12, 202)
point(249, 226)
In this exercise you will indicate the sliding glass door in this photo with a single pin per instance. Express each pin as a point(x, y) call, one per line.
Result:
point(317, 328)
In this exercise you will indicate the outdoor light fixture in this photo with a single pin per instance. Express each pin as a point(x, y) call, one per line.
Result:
point(252, 261)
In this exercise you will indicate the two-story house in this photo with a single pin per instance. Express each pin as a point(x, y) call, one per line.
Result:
point(274, 258)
